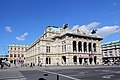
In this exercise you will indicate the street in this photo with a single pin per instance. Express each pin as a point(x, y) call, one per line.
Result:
point(87, 73)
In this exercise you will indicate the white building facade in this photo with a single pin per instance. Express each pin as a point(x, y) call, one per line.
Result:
point(111, 51)
point(16, 53)
point(64, 47)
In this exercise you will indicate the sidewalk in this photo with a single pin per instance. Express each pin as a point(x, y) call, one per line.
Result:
point(52, 67)
point(7, 74)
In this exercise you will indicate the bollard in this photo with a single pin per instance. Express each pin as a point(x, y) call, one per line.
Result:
point(57, 77)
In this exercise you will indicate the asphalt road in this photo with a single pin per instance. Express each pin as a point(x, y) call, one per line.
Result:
point(111, 73)
point(107, 73)
point(88, 73)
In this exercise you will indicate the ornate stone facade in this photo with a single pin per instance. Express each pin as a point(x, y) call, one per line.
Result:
point(60, 46)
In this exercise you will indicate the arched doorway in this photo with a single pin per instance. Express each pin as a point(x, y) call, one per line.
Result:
point(75, 59)
point(74, 46)
point(95, 59)
point(48, 60)
point(80, 60)
point(90, 60)
point(64, 59)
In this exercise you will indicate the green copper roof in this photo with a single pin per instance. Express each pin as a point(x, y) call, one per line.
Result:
point(54, 29)
point(111, 43)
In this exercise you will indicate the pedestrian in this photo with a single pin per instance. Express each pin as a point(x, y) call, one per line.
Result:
point(2, 65)
point(31, 64)
point(86, 64)
point(57, 64)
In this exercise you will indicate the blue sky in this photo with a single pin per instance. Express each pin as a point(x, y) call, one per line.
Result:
point(22, 21)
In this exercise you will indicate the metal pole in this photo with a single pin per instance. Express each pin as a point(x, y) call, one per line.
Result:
point(57, 77)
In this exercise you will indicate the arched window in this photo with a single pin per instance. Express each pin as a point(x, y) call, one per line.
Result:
point(74, 46)
point(75, 59)
point(94, 47)
point(80, 46)
point(85, 47)
point(64, 59)
point(89, 47)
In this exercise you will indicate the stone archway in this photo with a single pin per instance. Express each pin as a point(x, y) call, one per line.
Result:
point(48, 60)
point(95, 59)
point(80, 60)
point(64, 59)
point(75, 59)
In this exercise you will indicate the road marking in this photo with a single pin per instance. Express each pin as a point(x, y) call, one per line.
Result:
point(13, 78)
point(103, 70)
point(117, 72)
point(61, 75)
point(107, 76)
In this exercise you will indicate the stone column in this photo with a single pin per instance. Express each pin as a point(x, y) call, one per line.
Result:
point(83, 61)
point(82, 47)
point(87, 47)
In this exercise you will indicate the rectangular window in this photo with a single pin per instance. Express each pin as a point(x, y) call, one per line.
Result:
point(62, 48)
point(11, 55)
point(65, 47)
point(18, 55)
point(47, 49)
point(14, 55)
point(22, 55)
point(110, 51)
point(15, 48)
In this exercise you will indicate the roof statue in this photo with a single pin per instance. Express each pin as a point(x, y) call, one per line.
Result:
point(93, 31)
point(65, 26)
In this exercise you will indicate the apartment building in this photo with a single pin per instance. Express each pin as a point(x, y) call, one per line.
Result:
point(16, 53)
point(111, 51)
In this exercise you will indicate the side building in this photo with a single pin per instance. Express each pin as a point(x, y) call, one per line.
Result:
point(17, 53)
point(60, 46)
point(111, 51)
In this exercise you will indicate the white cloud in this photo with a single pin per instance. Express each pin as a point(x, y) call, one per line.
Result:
point(25, 34)
point(75, 27)
point(107, 30)
point(8, 29)
point(85, 29)
point(22, 37)
point(103, 32)
point(92, 25)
